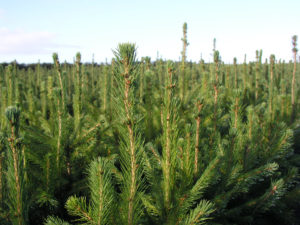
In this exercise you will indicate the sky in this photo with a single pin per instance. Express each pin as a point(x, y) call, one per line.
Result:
point(32, 30)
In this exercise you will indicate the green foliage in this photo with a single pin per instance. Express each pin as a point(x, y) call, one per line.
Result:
point(55, 221)
point(131, 144)
point(199, 214)
point(17, 199)
point(102, 201)
point(150, 142)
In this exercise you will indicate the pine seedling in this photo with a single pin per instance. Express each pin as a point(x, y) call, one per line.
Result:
point(257, 73)
point(187, 159)
point(194, 194)
point(199, 105)
point(38, 77)
point(102, 200)
point(93, 72)
point(205, 84)
point(173, 197)
point(100, 209)
point(161, 74)
point(235, 73)
point(278, 75)
point(56, 93)
point(141, 81)
point(295, 50)
point(50, 98)
point(59, 74)
point(236, 108)
point(15, 170)
point(77, 101)
point(68, 73)
point(126, 72)
point(272, 67)
point(245, 71)
point(84, 82)
point(9, 84)
point(183, 60)
point(160, 202)
point(105, 87)
point(30, 100)
point(169, 135)
point(44, 99)
point(283, 98)
point(216, 86)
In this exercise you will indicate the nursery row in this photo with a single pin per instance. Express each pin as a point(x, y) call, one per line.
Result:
point(142, 142)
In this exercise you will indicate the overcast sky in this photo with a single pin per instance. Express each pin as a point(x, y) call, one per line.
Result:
point(32, 30)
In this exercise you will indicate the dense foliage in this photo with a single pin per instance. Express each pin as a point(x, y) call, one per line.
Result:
point(141, 142)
